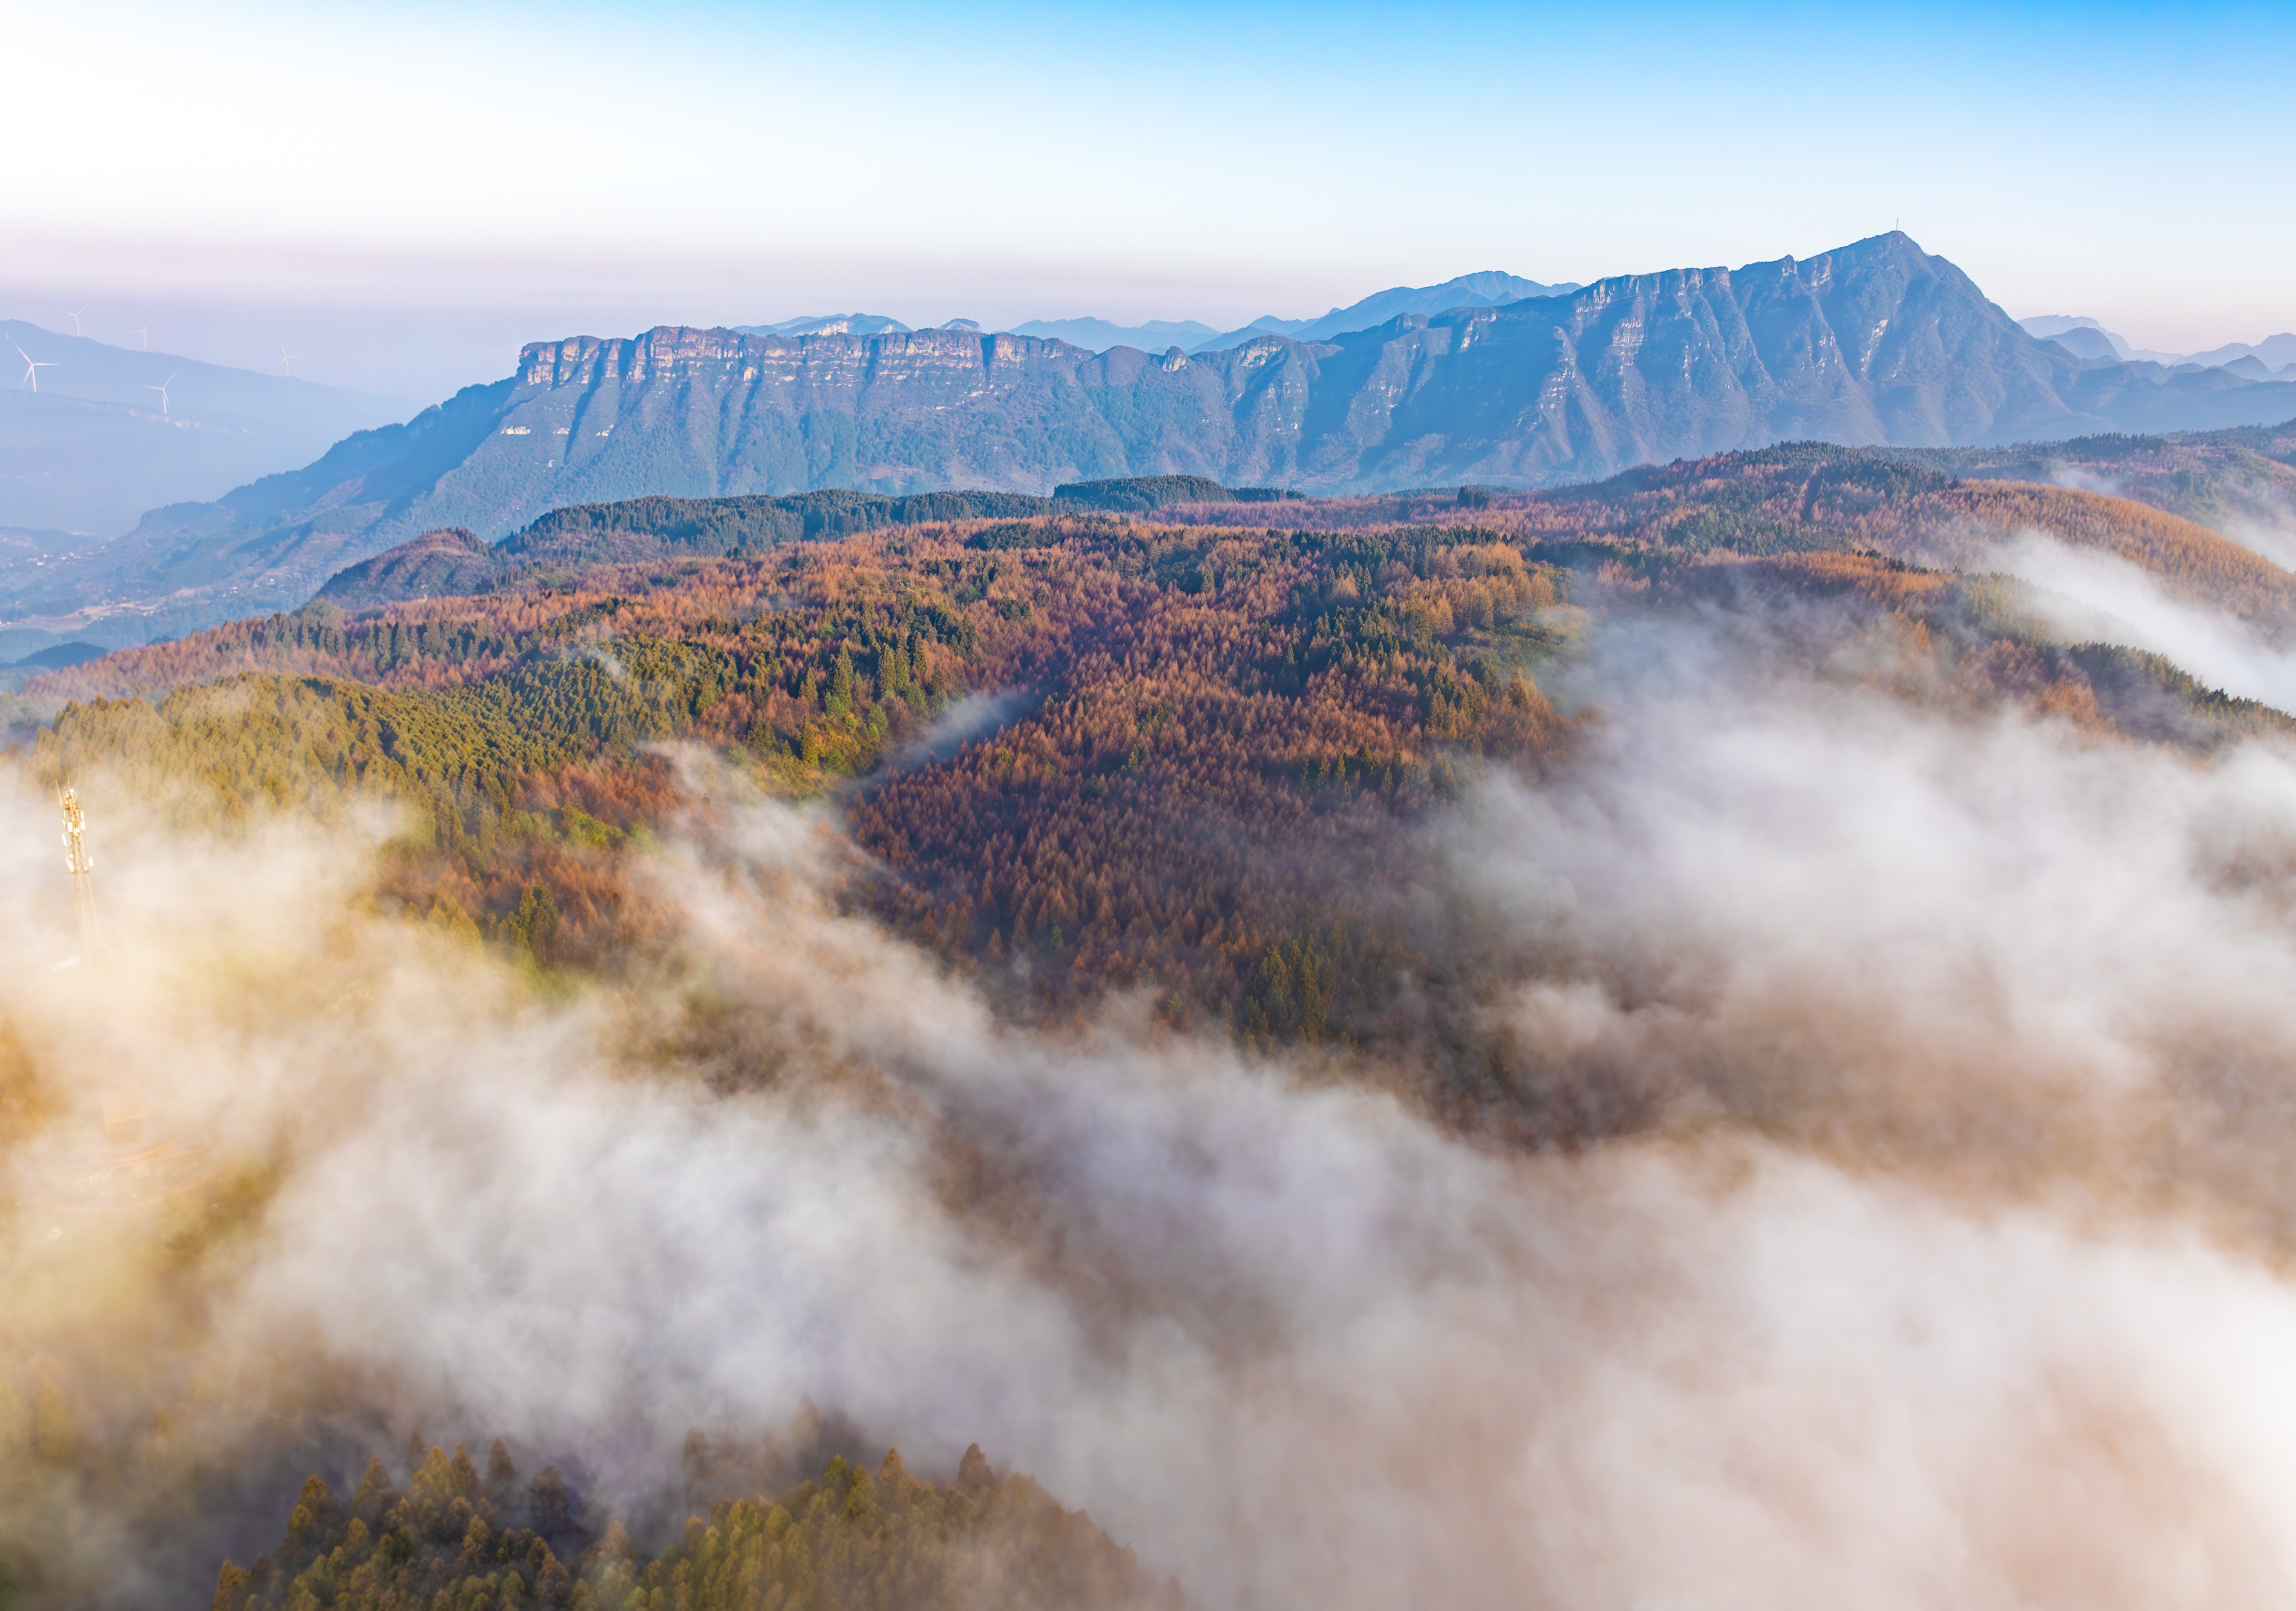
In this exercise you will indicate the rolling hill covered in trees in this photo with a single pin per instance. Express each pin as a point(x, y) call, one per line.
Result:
point(2241, 481)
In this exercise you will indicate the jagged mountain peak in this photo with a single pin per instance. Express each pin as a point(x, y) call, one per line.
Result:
point(1877, 342)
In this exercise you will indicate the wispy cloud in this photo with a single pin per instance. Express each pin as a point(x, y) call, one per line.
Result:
point(2100, 598)
point(1936, 1265)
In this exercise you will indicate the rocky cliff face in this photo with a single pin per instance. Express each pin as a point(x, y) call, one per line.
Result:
point(712, 412)
point(1878, 342)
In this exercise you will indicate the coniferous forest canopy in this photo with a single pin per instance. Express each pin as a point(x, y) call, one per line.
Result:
point(1230, 1003)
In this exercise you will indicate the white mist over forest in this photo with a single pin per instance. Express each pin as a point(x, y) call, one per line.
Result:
point(1947, 1260)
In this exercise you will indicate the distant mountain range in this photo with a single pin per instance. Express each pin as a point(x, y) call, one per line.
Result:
point(1876, 343)
point(87, 443)
point(830, 324)
point(2276, 353)
point(1490, 289)
point(1487, 290)
point(1098, 335)
point(2271, 359)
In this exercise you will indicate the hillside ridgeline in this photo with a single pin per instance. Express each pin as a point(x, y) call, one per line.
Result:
point(1796, 497)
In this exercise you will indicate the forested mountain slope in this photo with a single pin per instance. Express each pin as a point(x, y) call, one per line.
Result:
point(267, 543)
point(2240, 479)
point(1797, 497)
point(453, 561)
point(1209, 742)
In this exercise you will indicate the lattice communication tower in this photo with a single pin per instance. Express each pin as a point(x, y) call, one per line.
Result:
point(82, 871)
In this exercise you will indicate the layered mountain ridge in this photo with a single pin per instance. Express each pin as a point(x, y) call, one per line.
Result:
point(1490, 288)
point(96, 434)
point(1877, 343)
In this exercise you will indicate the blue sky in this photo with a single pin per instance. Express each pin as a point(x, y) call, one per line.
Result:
point(504, 172)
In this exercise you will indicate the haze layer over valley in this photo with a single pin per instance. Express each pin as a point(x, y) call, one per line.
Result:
point(91, 443)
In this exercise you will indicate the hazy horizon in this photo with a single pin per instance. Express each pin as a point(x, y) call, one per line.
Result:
point(422, 355)
point(461, 181)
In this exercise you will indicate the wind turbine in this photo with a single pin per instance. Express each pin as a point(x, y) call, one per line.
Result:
point(142, 334)
point(73, 315)
point(162, 390)
point(32, 367)
point(286, 363)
